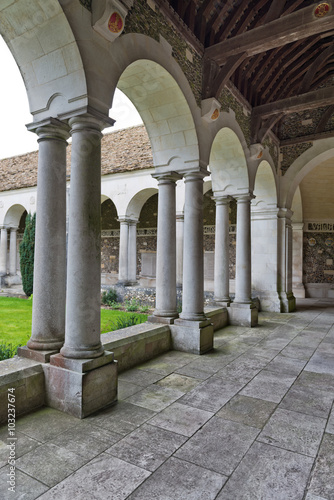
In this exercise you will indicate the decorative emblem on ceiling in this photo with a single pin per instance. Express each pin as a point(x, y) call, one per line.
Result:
point(115, 23)
point(322, 9)
point(215, 114)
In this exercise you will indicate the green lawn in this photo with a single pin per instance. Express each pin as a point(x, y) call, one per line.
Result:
point(15, 320)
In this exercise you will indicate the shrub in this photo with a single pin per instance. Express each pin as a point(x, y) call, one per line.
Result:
point(109, 298)
point(131, 305)
point(125, 321)
point(144, 309)
point(27, 248)
point(7, 351)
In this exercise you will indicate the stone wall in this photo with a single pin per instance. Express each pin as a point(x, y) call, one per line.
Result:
point(318, 258)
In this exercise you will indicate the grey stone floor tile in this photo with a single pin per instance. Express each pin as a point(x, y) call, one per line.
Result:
point(298, 352)
point(139, 377)
point(121, 418)
point(179, 382)
point(45, 423)
point(321, 362)
point(212, 394)
point(320, 381)
point(330, 424)
point(322, 479)
point(181, 418)
point(167, 363)
point(105, 477)
point(155, 398)
point(288, 366)
point(264, 352)
point(195, 371)
point(310, 496)
point(49, 463)
point(147, 447)
point(268, 385)
point(243, 369)
point(219, 445)
point(86, 440)
point(127, 389)
point(248, 411)
point(268, 473)
point(308, 400)
point(294, 432)
point(179, 480)
point(24, 444)
point(26, 487)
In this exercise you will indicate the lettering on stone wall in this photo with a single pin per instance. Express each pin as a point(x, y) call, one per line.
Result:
point(319, 227)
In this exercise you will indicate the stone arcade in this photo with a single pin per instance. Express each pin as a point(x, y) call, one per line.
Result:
point(237, 100)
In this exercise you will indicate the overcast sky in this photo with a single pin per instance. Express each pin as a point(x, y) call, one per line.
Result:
point(14, 137)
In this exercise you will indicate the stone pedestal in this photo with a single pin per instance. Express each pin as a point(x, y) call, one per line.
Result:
point(81, 386)
point(243, 314)
point(195, 337)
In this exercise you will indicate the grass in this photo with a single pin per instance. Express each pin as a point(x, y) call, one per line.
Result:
point(15, 320)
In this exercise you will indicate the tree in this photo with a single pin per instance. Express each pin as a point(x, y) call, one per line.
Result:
point(27, 248)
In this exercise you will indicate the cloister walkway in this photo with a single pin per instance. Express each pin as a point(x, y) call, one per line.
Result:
point(253, 419)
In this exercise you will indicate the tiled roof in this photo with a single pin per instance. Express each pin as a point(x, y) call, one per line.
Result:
point(122, 150)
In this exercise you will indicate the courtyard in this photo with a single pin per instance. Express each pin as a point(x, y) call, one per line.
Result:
point(252, 419)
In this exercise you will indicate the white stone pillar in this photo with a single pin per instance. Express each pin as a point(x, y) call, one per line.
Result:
point(288, 301)
point(3, 251)
point(132, 252)
point(166, 248)
point(179, 248)
point(222, 246)
point(83, 300)
point(193, 261)
point(123, 262)
point(13, 251)
point(297, 259)
point(48, 315)
point(243, 271)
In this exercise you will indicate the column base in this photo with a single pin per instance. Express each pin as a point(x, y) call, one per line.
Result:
point(243, 314)
point(269, 301)
point(222, 302)
point(288, 302)
point(36, 355)
point(195, 337)
point(52, 345)
point(81, 386)
point(167, 320)
point(84, 353)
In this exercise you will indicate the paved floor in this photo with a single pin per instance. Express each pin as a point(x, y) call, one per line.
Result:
point(254, 419)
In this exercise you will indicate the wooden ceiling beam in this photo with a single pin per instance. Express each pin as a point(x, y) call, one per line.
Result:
point(296, 26)
point(310, 100)
point(314, 68)
point(275, 10)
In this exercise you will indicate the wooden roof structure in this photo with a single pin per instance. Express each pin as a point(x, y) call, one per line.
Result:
point(279, 54)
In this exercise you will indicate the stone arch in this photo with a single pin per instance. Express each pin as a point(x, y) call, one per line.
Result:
point(265, 188)
point(228, 164)
point(138, 201)
point(42, 46)
point(109, 241)
point(13, 215)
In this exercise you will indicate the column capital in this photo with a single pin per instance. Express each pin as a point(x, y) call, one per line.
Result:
point(3, 227)
point(51, 128)
point(180, 216)
point(127, 220)
point(194, 175)
point(14, 228)
point(244, 197)
point(221, 199)
point(285, 213)
point(167, 177)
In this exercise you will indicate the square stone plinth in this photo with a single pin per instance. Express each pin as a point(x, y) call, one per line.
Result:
point(243, 314)
point(195, 337)
point(81, 386)
point(40, 356)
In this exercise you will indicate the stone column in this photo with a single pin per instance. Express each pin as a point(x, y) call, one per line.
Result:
point(48, 314)
point(297, 259)
point(243, 311)
point(243, 251)
point(13, 251)
point(83, 300)
point(3, 251)
point(166, 249)
point(193, 261)
point(179, 248)
point(132, 253)
point(288, 301)
point(123, 263)
point(222, 248)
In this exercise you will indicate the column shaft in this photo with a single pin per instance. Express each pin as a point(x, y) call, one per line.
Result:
point(83, 301)
point(123, 263)
point(48, 315)
point(179, 249)
point(193, 275)
point(3, 251)
point(222, 240)
point(13, 251)
point(132, 253)
point(166, 248)
point(243, 252)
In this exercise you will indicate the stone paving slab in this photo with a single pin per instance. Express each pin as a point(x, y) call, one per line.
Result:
point(286, 365)
point(294, 432)
point(308, 400)
point(248, 411)
point(269, 385)
point(155, 398)
point(219, 445)
point(321, 362)
point(177, 480)
point(139, 377)
point(26, 487)
point(268, 473)
point(179, 382)
point(322, 481)
point(182, 419)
